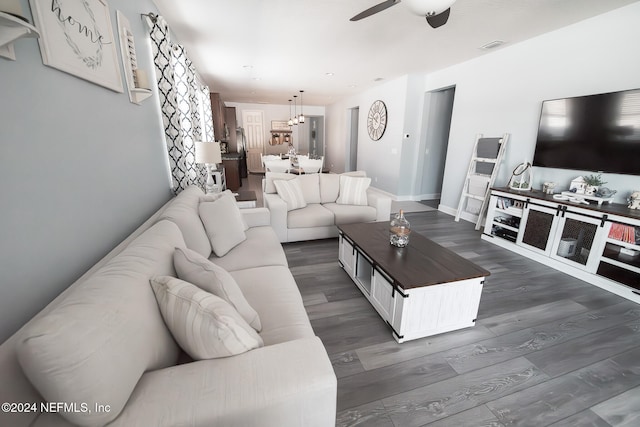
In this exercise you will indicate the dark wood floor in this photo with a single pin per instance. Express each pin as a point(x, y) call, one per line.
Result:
point(548, 349)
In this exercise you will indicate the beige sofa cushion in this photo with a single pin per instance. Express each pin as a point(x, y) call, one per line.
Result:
point(97, 342)
point(205, 326)
point(223, 223)
point(261, 248)
point(350, 214)
point(197, 270)
point(273, 292)
point(183, 210)
point(311, 216)
point(291, 192)
point(353, 190)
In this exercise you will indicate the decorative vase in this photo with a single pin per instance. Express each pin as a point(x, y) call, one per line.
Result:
point(399, 230)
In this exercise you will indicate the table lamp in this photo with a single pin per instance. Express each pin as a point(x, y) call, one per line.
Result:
point(209, 153)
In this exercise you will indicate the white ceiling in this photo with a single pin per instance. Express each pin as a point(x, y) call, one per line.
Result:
point(265, 51)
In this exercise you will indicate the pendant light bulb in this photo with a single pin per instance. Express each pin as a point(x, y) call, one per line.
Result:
point(301, 116)
point(295, 110)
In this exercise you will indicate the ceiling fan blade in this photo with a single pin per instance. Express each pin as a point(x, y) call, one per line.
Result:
point(440, 19)
point(375, 9)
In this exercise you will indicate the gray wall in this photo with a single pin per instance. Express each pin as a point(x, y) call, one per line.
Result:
point(80, 166)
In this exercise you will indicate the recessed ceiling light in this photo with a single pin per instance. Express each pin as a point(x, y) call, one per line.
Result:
point(247, 67)
point(353, 86)
point(492, 45)
point(256, 78)
point(378, 79)
point(328, 74)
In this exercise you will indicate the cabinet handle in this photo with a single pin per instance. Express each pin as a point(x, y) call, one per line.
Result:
point(604, 218)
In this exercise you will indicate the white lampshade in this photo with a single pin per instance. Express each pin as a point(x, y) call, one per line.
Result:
point(208, 152)
point(428, 7)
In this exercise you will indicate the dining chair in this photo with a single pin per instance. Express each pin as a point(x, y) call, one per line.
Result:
point(268, 157)
point(277, 165)
point(310, 165)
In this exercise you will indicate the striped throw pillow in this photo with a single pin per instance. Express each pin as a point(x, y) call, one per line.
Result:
point(204, 325)
point(291, 192)
point(353, 190)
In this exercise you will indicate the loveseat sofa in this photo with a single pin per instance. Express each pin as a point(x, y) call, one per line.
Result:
point(102, 352)
point(311, 206)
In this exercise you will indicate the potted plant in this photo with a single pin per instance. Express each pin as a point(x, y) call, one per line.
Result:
point(593, 182)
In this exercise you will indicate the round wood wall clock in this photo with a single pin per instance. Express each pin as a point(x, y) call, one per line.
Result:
point(377, 120)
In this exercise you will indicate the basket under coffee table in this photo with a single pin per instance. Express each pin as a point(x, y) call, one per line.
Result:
point(421, 290)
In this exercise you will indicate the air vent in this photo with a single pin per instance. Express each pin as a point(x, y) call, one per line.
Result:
point(492, 45)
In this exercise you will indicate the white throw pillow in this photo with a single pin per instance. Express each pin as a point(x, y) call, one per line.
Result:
point(196, 269)
point(204, 325)
point(212, 197)
point(310, 185)
point(291, 192)
point(223, 223)
point(353, 190)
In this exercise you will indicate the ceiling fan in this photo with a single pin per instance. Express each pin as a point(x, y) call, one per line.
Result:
point(436, 11)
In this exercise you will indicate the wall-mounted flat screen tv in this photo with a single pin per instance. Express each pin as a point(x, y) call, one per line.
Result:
point(599, 133)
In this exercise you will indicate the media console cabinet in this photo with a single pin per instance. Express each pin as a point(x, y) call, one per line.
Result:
point(599, 244)
point(420, 290)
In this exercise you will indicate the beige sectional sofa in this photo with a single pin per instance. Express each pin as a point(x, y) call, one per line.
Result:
point(322, 205)
point(101, 353)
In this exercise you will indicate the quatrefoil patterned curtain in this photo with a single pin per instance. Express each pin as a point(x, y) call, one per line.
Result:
point(185, 105)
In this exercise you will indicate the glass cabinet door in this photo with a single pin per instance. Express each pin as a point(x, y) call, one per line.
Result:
point(575, 243)
point(540, 225)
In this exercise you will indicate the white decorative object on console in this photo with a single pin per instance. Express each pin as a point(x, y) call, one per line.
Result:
point(634, 200)
point(521, 177)
point(578, 185)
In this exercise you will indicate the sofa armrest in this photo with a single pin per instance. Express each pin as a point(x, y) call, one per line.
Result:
point(256, 217)
point(287, 384)
point(278, 211)
point(381, 202)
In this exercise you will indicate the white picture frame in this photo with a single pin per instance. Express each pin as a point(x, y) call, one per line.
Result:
point(76, 36)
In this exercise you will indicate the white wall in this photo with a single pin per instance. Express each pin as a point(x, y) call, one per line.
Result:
point(81, 167)
point(380, 159)
point(276, 112)
point(497, 93)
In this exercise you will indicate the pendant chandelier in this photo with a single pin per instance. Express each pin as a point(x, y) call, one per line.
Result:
point(295, 110)
point(290, 122)
point(301, 116)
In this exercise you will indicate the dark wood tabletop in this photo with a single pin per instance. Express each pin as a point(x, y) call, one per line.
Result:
point(422, 263)
point(246, 196)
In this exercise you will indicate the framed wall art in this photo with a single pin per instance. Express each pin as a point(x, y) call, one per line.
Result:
point(76, 37)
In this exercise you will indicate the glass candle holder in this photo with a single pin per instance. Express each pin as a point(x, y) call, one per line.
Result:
point(399, 230)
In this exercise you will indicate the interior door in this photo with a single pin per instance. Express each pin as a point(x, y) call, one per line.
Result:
point(253, 123)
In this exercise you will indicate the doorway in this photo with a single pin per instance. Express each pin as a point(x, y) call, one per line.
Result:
point(351, 156)
point(438, 109)
point(311, 136)
point(253, 123)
